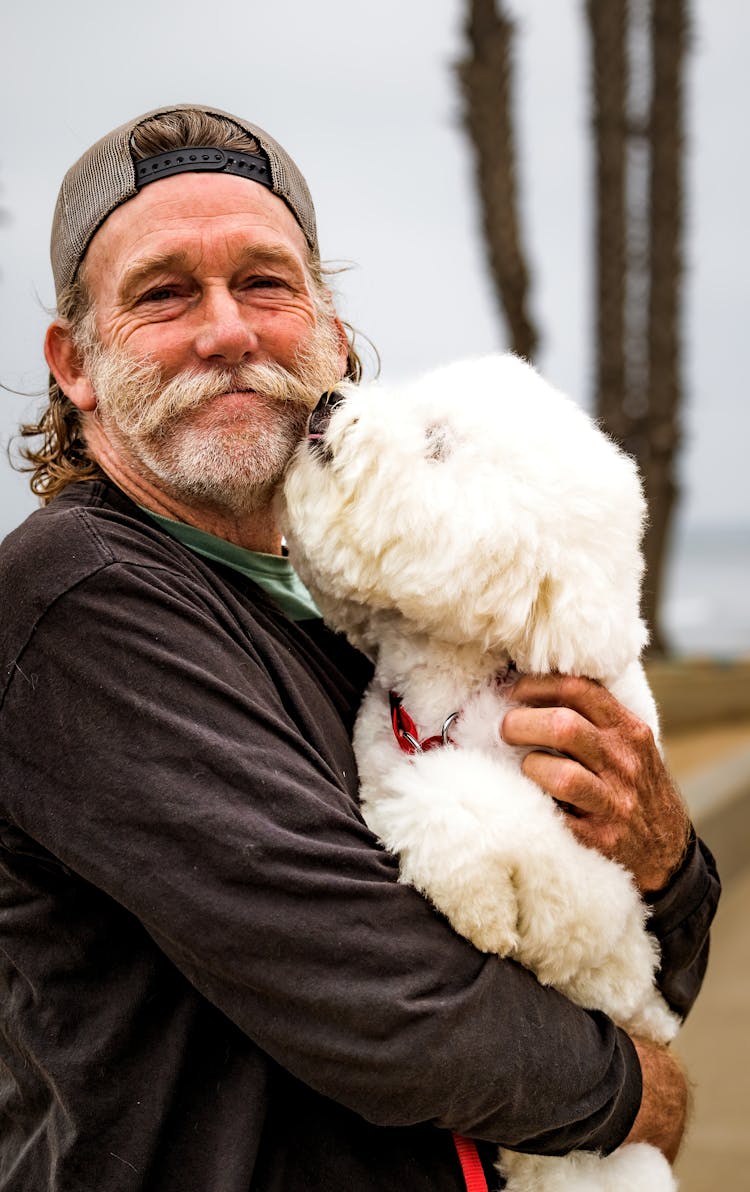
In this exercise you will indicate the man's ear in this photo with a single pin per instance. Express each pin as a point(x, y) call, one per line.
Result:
point(343, 345)
point(66, 365)
point(341, 335)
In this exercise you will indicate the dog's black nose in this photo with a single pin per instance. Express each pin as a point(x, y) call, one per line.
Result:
point(321, 415)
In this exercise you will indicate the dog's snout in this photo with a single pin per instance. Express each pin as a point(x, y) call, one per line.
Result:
point(321, 415)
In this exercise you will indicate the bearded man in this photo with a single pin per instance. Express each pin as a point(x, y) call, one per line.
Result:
point(212, 978)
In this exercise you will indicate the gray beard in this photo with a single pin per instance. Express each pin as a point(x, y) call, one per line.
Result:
point(236, 464)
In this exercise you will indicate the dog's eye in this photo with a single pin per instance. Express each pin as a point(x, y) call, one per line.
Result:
point(438, 442)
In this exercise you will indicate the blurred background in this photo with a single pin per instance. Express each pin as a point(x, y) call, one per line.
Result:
point(566, 179)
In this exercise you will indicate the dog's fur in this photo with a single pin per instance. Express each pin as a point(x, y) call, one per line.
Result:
point(450, 526)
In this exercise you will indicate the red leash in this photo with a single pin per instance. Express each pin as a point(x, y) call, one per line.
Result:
point(407, 735)
point(468, 1157)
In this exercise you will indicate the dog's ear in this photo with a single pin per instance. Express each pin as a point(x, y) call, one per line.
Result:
point(583, 623)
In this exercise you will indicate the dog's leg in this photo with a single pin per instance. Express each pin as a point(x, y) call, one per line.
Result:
point(494, 855)
point(433, 811)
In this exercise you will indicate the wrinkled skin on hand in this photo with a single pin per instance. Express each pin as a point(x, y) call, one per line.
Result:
point(611, 783)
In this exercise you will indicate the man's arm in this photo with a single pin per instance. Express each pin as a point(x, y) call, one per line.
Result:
point(681, 917)
point(618, 797)
point(182, 785)
point(662, 1116)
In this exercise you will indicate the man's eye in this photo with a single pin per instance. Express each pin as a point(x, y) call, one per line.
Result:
point(162, 294)
point(264, 283)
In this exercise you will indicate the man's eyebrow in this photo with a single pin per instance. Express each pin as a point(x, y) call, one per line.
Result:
point(270, 254)
point(142, 270)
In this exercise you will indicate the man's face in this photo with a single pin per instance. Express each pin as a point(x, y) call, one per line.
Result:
point(213, 343)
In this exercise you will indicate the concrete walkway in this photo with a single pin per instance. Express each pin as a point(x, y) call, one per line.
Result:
point(713, 768)
point(715, 1045)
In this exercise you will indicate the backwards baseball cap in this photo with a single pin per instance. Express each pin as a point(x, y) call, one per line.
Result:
point(107, 175)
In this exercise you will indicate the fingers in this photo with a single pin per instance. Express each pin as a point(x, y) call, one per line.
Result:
point(588, 698)
point(573, 778)
point(569, 784)
point(559, 728)
point(605, 771)
point(590, 806)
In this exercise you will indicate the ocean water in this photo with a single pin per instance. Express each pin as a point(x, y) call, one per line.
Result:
point(706, 609)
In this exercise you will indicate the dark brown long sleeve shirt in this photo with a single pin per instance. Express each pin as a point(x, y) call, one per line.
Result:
point(211, 979)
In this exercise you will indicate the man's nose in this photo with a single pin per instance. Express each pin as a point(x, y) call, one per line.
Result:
point(225, 332)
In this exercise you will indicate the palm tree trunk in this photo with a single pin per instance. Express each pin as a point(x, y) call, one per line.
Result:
point(669, 37)
point(486, 82)
point(607, 21)
point(639, 253)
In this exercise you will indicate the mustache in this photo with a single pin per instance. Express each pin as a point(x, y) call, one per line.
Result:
point(135, 393)
point(191, 390)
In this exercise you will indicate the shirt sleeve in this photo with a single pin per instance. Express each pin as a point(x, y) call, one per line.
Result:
point(152, 751)
point(681, 917)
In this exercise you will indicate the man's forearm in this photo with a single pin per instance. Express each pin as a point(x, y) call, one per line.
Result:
point(663, 1113)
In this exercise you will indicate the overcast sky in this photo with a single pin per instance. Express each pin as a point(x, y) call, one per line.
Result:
point(364, 97)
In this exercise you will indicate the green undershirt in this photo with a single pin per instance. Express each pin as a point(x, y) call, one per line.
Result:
point(273, 573)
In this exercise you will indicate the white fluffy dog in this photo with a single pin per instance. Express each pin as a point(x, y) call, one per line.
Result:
point(472, 519)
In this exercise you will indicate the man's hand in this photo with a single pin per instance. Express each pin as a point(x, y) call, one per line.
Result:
point(611, 784)
point(663, 1113)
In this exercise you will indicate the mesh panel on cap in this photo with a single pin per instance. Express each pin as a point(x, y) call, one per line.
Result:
point(104, 177)
point(289, 184)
